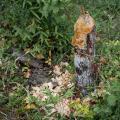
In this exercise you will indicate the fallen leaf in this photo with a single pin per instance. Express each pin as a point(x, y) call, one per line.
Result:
point(39, 93)
point(103, 60)
point(40, 56)
point(57, 70)
point(86, 101)
point(27, 74)
point(30, 106)
point(62, 107)
point(64, 64)
point(49, 61)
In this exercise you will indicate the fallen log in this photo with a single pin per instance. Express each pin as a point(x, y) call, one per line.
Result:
point(39, 69)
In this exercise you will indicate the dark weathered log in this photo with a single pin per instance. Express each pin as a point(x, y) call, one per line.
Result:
point(26, 58)
point(39, 69)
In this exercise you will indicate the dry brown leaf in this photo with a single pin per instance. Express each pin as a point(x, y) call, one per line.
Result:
point(103, 60)
point(86, 101)
point(56, 91)
point(64, 64)
point(27, 73)
point(66, 78)
point(39, 93)
point(63, 78)
point(57, 70)
point(62, 107)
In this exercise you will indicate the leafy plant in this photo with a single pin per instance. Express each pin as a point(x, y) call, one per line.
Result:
point(46, 26)
point(43, 23)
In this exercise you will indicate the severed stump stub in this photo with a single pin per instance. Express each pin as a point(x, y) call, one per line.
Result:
point(84, 43)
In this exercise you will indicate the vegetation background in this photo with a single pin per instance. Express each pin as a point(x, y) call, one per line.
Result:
point(46, 26)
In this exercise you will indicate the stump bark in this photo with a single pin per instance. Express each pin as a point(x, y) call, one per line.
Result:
point(84, 44)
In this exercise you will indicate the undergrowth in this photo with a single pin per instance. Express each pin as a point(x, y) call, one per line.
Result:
point(46, 27)
point(13, 93)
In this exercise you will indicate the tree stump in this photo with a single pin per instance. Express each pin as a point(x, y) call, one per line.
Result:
point(84, 43)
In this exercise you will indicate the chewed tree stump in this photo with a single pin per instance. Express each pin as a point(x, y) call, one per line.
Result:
point(84, 44)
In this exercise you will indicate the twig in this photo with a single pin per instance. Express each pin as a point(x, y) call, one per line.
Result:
point(6, 117)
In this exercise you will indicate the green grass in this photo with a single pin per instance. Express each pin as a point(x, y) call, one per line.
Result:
point(22, 28)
